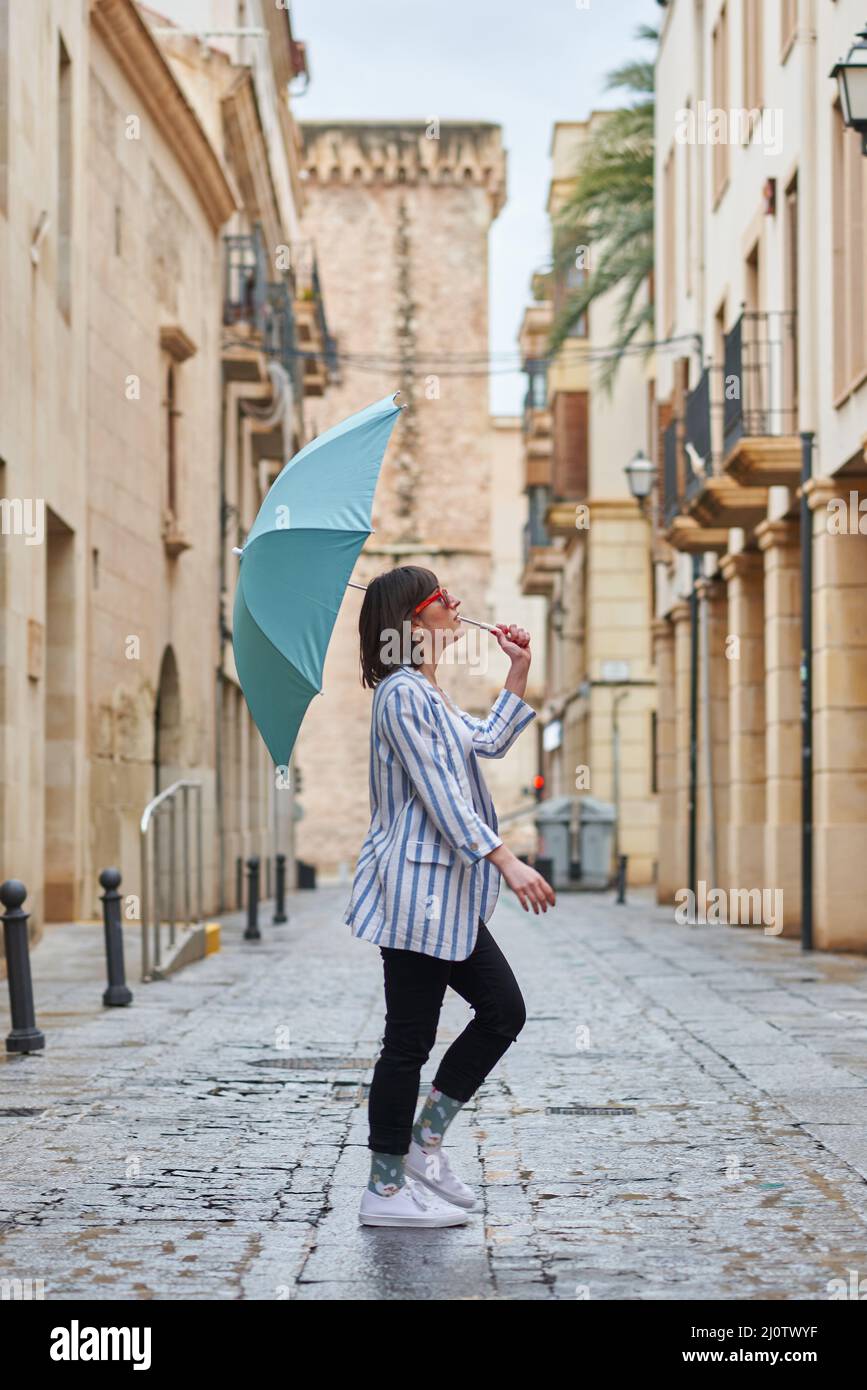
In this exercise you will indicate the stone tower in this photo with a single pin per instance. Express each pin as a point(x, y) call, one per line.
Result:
point(400, 213)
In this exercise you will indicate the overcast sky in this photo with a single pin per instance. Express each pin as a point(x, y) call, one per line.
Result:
point(522, 63)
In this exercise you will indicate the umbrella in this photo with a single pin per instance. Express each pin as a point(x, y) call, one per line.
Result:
point(295, 567)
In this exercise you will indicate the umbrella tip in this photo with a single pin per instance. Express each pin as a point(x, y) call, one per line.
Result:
point(237, 550)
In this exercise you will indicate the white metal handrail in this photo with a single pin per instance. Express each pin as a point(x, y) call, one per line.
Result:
point(161, 806)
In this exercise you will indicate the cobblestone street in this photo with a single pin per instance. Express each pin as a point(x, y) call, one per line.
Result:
point(210, 1141)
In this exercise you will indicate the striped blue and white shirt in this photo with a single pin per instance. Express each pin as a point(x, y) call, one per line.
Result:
point(422, 880)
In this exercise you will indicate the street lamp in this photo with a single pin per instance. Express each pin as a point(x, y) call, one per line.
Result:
point(851, 78)
point(640, 475)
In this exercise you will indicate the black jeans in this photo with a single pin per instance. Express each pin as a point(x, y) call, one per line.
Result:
point(415, 986)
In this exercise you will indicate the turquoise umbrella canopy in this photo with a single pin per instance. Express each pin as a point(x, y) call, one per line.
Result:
point(295, 566)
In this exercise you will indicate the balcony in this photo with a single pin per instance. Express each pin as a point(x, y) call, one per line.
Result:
point(761, 446)
point(540, 559)
point(672, 489)
point(279, 333)
point(700, 502)
point(537, 428)
point(316, 345)
point(281, 317)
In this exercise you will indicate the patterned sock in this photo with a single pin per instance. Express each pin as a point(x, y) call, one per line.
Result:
point(386, 1174)
point(434, 1119)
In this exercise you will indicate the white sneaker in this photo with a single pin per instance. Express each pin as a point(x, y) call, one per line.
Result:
point(410, 1206)
point(434, 1170)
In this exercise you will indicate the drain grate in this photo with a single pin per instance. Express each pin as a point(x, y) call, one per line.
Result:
point(590, 1110)
point(20, 1112)
point(316, 1063)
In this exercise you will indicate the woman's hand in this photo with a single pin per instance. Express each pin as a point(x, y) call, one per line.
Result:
point(529, 887)
point(514, 641)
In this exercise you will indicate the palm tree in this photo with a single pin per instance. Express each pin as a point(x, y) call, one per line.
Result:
point(612, 201)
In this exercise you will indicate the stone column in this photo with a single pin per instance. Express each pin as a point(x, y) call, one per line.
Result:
point(779, 543)
point(745, 652)
point(713, 593)
point(679, 829)
point(839, 716)
point(667, 880)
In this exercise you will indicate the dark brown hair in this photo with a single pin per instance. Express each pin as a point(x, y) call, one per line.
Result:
point(387, 605)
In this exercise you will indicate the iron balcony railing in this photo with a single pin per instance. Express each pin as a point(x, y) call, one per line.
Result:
point(307, 285)
point(535, 532)
point(697, 445)
point(263, 305)
point(166, 883)
point(760, 376)
point(279, 336)
point(671, 486)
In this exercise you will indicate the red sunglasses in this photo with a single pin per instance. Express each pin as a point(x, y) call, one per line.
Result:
point(444, 597)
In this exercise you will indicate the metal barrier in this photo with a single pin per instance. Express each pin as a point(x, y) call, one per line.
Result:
point(159, 907)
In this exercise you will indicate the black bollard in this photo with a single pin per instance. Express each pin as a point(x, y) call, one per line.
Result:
point(117, 993)
point(280, 891)
point(252, 933)
point(239, 883)
point(621, 878)
point(25, 1036)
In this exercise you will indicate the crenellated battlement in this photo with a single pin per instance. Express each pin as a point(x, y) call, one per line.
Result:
point(442, 154)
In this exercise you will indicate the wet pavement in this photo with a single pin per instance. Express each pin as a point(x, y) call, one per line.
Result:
point(684, 1116)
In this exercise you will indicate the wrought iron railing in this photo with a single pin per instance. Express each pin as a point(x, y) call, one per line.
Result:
point(279, 337)
point(535, 532)
point(697, 446)
point(671, 484)
point(307, 285)
point(760, 376)
point(263, 305)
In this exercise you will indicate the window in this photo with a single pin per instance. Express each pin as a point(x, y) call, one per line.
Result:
point(849, 201)
point(687, 198)
point(575, 278)
point(753, 95)
point(64, 179)
point(4, 105)
point(788, 26)
point(669, 243)
point(176, 347)
point(720, 78)
point(172, 412)
point(537, 386)
point(790, 338)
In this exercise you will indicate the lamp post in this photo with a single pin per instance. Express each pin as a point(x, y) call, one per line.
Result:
point(851, 76)
point(640, 475)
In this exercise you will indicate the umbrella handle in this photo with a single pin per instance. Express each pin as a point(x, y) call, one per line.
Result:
point(474, 621)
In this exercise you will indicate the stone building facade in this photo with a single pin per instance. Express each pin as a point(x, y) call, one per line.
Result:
point(401, 214)
point(587, 551)
point(760, 272)
point(157, 290)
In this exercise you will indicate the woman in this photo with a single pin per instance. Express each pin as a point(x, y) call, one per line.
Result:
point(426, 884)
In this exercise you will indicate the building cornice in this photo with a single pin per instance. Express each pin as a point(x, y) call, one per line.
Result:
point(129, 41)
